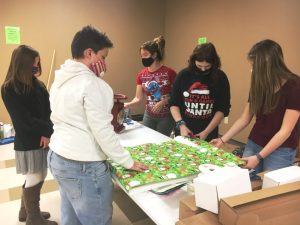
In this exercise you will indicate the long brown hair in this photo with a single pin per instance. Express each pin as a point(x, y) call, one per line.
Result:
point(19, 75)
point(205, 52)
point(156, 46)
point(269, 73)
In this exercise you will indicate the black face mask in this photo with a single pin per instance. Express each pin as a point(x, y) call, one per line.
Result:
point(147, 61)
point(205, 72)
point(35, 69)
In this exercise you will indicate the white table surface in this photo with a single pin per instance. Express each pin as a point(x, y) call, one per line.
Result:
point(162, 209)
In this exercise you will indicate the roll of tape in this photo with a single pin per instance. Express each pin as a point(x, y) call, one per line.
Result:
point(208, 168)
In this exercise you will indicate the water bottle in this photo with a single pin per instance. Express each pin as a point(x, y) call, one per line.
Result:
point(1, 130)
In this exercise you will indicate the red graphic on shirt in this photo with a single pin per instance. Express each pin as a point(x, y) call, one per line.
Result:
point(198, 101)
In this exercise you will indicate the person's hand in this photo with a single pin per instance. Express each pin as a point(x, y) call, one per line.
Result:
point(202, 135)
point(158, 107)
point(137, 166)
point(251, 162)
point(44, 142)
point(126, 105)
point(217, 142)
point(185, 131)
point(99, 68)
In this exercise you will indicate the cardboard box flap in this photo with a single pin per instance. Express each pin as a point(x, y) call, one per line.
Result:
point(261, 194)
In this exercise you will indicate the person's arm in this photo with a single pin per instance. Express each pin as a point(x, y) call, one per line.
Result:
point(159, 105)
point(242, 122)
point(139, 96)
point(184, 130)
point(216, 120)
point(290, 120)
point(98, 102)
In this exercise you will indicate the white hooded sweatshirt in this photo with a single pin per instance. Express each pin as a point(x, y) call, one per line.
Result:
point(81, 105)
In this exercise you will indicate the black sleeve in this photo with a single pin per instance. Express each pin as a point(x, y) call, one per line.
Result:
point(22, 118)
point(223, 97)
point(176, 94)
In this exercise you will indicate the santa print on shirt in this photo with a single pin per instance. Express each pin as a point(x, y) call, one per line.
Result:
point(199, 98)
point(198, 102)
point(157, 86)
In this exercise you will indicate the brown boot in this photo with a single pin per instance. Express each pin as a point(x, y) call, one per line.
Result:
point(23, 213)
point(32, 205)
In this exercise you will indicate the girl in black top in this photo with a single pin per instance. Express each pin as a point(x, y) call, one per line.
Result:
point(27, 102)
point(200, 96)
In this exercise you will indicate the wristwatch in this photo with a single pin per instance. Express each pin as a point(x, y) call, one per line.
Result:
point(259, 157)
point(179, 123)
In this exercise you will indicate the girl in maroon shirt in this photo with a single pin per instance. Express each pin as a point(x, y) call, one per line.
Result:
point(274, 100)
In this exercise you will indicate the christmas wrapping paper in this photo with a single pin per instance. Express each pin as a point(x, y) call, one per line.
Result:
point(169, 162)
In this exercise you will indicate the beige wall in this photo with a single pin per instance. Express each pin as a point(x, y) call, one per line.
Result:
point(48, 25)
point(233, 26)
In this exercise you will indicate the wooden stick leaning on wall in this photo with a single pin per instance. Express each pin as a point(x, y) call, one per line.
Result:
point(50, 71)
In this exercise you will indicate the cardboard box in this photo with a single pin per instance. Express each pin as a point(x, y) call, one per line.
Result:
point(221, 183)
point(277, 205)
point(281, 176)
point(187, 207)
point(205, 218)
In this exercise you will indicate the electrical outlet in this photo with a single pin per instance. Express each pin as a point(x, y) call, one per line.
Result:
point(226, 120)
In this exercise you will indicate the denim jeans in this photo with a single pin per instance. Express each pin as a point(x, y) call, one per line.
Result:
point(280, 158)
point(85, 189)
point(163, 125)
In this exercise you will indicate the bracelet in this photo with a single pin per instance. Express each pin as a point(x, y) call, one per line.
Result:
point(179, 123)
point(222, 140)
point(259, 157)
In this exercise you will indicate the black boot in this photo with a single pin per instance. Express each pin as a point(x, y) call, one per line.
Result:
point(32, 205)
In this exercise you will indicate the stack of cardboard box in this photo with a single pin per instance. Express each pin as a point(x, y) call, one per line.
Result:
point(270, 206)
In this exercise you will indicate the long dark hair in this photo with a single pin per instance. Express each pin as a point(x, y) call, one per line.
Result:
point(19, 75)
point(269, 73)
point(156, 46)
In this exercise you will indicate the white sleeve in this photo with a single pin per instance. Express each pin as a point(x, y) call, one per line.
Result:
point(98, 102)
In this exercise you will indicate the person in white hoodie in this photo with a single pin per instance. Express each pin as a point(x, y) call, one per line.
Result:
point(81, 103)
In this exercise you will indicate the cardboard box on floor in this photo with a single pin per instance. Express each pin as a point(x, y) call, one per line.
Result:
point(223, 182)
point(281, 176)
point(204, 218)
point(276, 205)
point(187, 207)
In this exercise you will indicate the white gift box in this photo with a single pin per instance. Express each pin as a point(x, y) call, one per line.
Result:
point(281, 176)
point(224, 182)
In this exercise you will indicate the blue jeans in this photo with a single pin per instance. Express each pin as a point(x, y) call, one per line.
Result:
point(85, 189)
point(163, 125)
point(280, 158)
